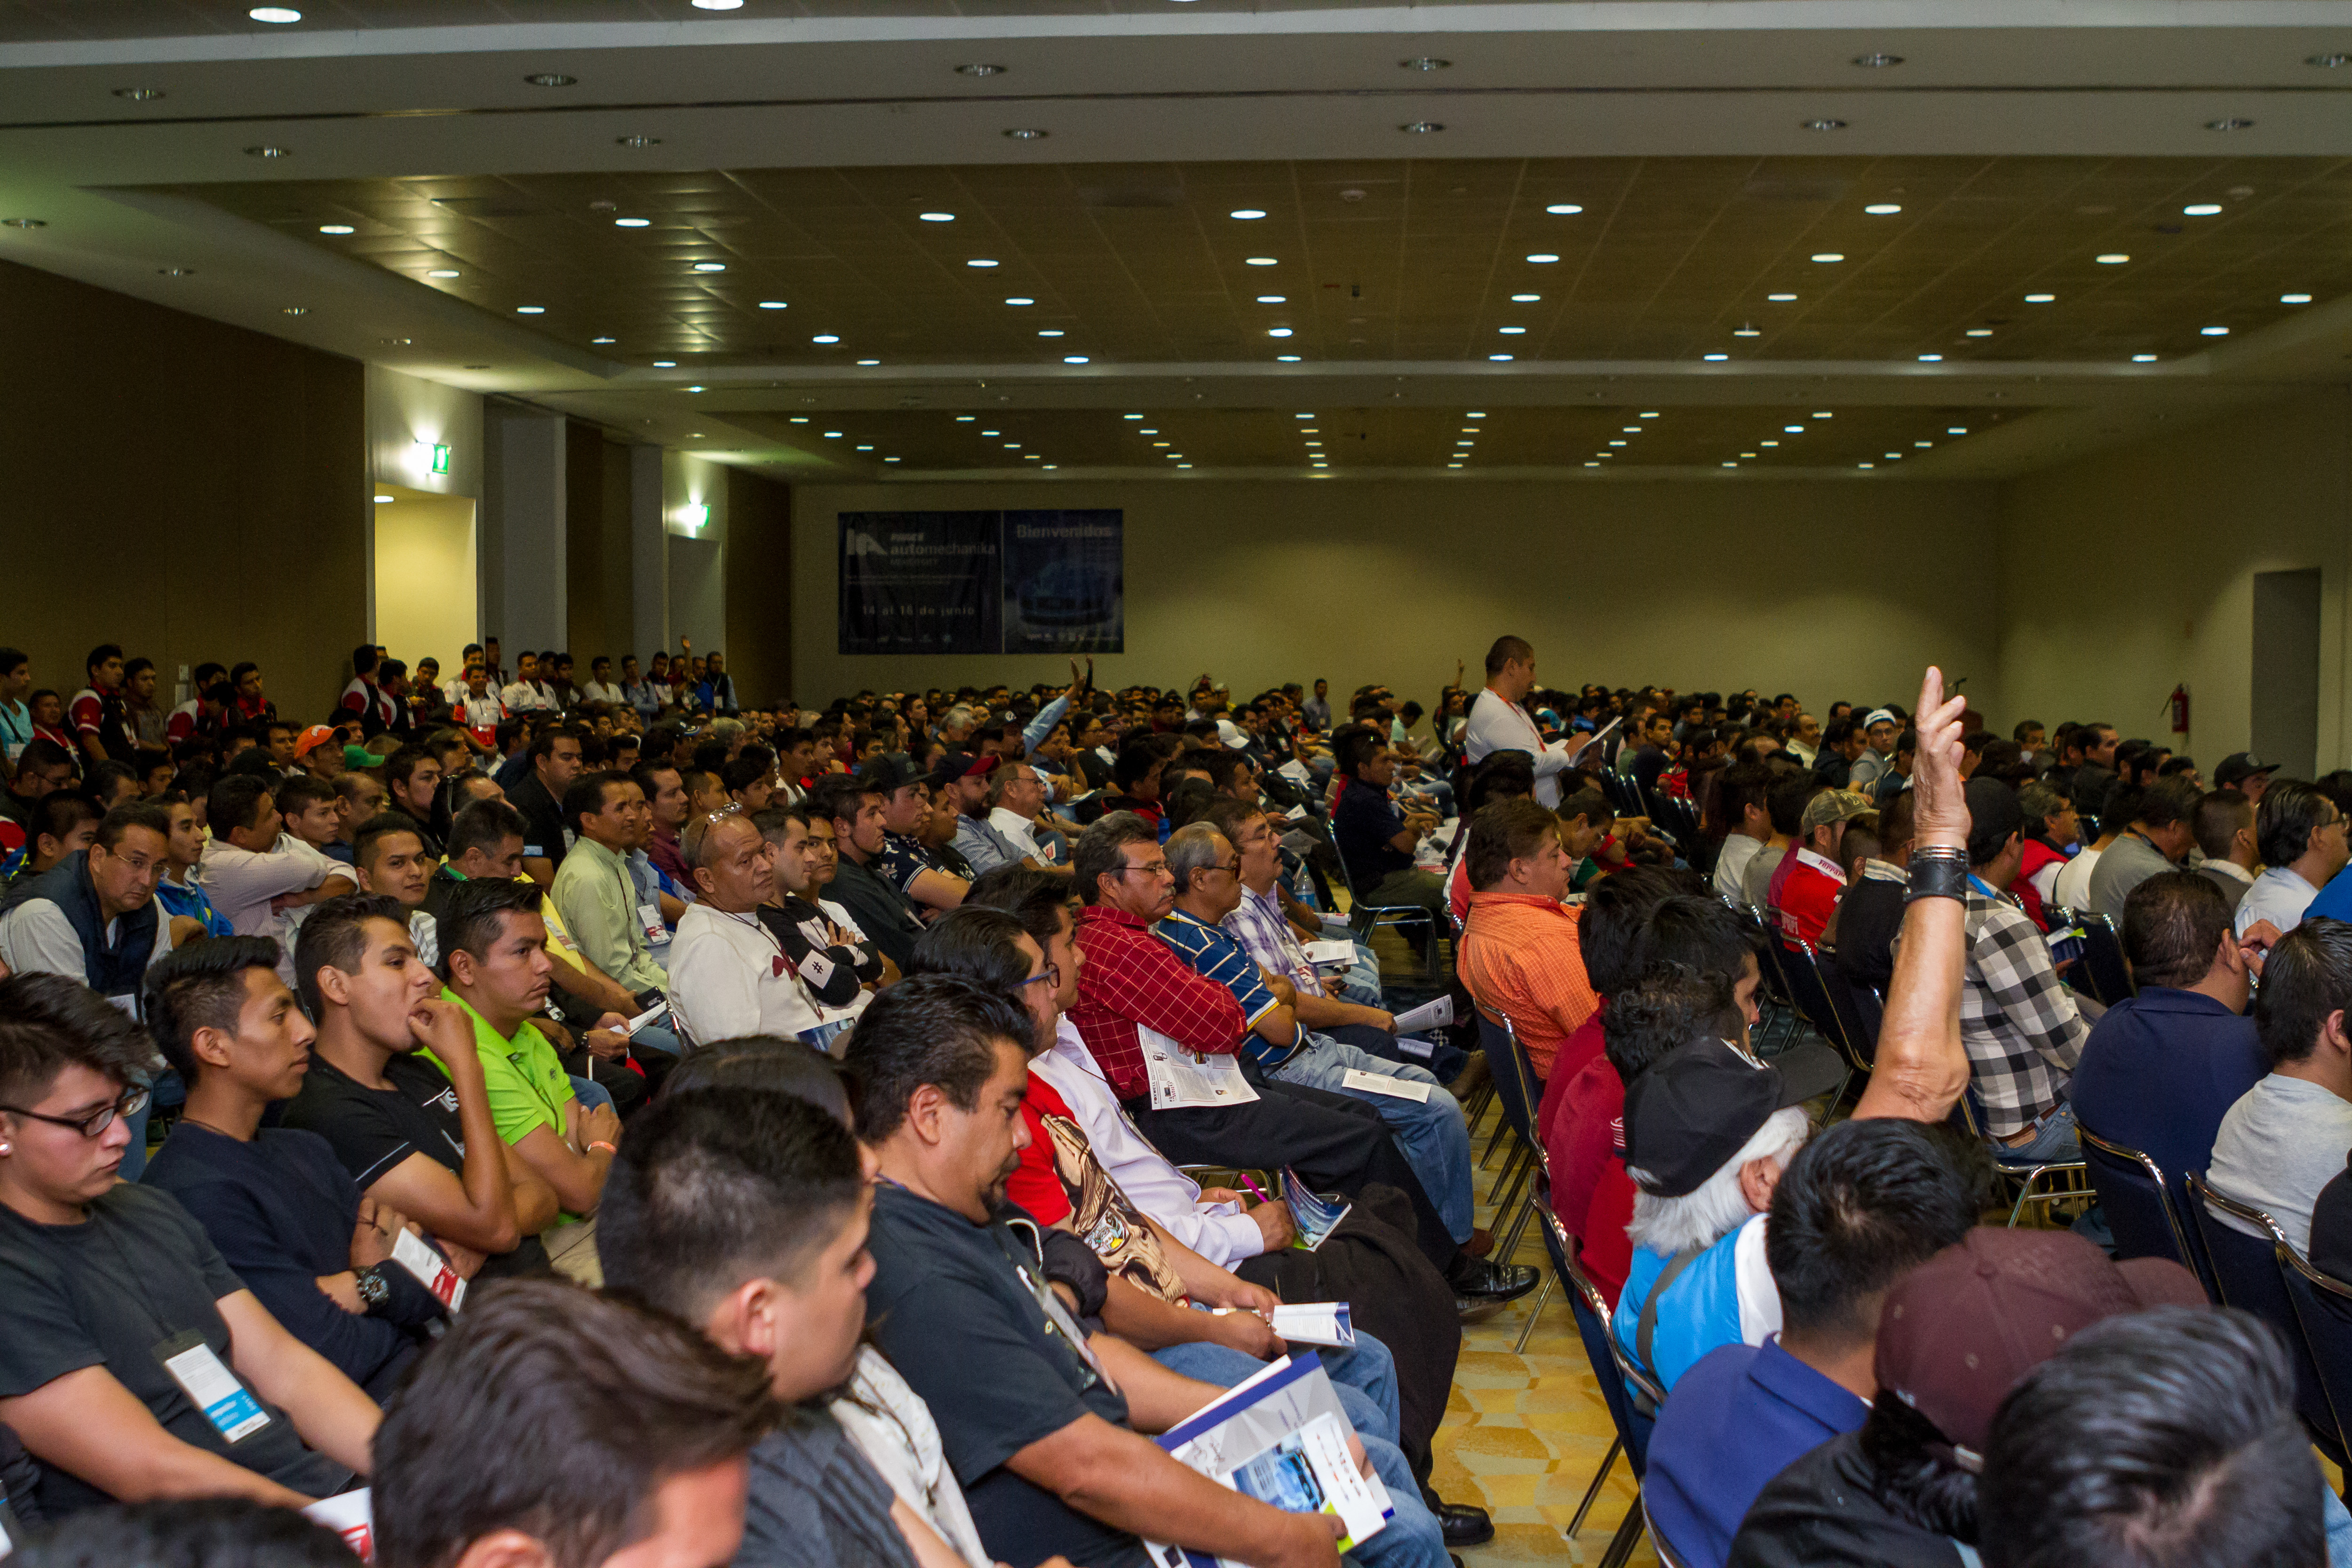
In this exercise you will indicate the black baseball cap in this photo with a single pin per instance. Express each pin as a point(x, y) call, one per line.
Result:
point(2238, 767)
point(1994, 812)
point(1693, 1110)
point(889, 772)
point(955, 765)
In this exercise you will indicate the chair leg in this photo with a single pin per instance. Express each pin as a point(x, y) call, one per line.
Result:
point(1542, 1295)
point(1629, 1535)
point(1502, 1126)
point(1510, 1242)
point(1608, 1462)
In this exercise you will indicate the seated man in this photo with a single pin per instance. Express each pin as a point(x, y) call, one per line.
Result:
point(1745, 822)
point(882, 910)
point(1428, 1125)
point(1016, 810)
point(2287, 1137)
point(607, 815)
point(1521, 955)
point(1805, 888)
point(1858, 1207)
point(745, 1212)
point(1375, 838)
point(2301, 833)
point(93, 917)
point(2023, 1030)
point(413, 1137)
point(731, 973)
point(1137, 998)
point(495, 962)
point(388, 854)
point(1047, 1448)
point(2160, 835)
point(285, 1215)
point(254, 872)
point(1860, 939)
point(792, 912)
point(136, 1364)
point(965, 782)
point(554, 1426)
point(2162, 1068)
point(2225, 833)
point(903, 860)
point(1708, 1130)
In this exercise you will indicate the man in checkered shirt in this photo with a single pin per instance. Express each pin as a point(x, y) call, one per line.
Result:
point(2023, 1030)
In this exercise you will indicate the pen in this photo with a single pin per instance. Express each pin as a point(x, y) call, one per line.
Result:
point(1253, 1186)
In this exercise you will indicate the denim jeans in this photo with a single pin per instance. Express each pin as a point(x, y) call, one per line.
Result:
point(2054, 1141)
point(1432, 1134)
point(1413, 1538)
point(589, 1093)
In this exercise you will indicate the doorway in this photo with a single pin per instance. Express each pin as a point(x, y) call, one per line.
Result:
point(2285, 727)
point(427, 592)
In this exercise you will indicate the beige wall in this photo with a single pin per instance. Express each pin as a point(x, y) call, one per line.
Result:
point(2132, 571)
point(1806, 587)
point(424, 577)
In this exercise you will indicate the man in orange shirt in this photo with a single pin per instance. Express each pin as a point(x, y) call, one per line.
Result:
point(1521, 953)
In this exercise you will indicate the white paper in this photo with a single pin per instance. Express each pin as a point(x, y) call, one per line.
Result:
point(1296, 814)
point(1296, 771)
point(648, 1016)
point(1330, 950)
point(1423, 1049)
point(1381, 1083)
point(1434, 1014)
point(429, 1267)
point(1313, 1323)
point(214, 1390)
point(351, 1515)
point(1183, 1080)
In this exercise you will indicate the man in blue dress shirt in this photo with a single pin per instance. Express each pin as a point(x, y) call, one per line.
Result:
point(1858, 1207)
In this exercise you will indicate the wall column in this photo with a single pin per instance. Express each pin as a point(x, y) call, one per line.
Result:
point(529, 608)
point(648, 555)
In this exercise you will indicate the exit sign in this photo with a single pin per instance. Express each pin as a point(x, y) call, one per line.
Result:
point(440, 459)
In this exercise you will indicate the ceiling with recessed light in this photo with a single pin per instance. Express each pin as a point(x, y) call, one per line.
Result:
point(1936, 249)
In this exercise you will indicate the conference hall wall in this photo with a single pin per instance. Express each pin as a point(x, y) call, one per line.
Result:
point(189, 490)
point(1828, 589)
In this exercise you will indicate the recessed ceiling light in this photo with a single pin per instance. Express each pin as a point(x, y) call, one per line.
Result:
point(2328, 62)
point(2143, 359)
point(279, 15)
point(1259, 261)
point(1590, 464)
point(603, 340)
point(2042, 298)
point(1763, 444)
point(1512, 331)
point(2213, 332)
point(833, 435)
point(551, 78)
point(302, 311)
point(1245, 213)
point(1821, 414)
point(1979, 332)
point(980, 70)
point(1745, 330)
point(632, 222)
point(530, 309)
point(1420, 127)
point(1617, 443)
point(1728, 463)
point(1828, 256)
point(2203, 209)
point(443, 272)
point(979, 261)
point(1543, 258)
point(1278, 331)
point(1474, 414)
point(1525, 299)
point(1287, 359)
point(711, 267)
point(1424, 63)
point(2294, 299)
point(717, 4)
point(1271, 298)
point(1865, 465)
point(1711, 357)
point(866, 447)
point(992, 432)
point(1074, 359)
point(937, 218)
point(268, 153)
point(1883, 209)
point(1028, 133)
point(1792, 429)
point(636, 141)
point(1564, 209)
point(336, 228)
point(1923, 443)
point(893, 460)
point(1877, 62)
point(1956, 430)
point(138, 94)
point(695, 389)
point(774, 305)
point(2228, 122)
point(1894, 456)
point(965, 418)
point(380, 500)
point(1649, 414)
point(1824, 124)
point(1930, 359)
point(1499, 358)
point(1781, 299)
point(1050, 332)
point(2111, 258)
point(825, 338)
point(860, 361)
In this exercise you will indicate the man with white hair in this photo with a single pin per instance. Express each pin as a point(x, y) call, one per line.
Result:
point(1708, 1130)
point(1881, 729)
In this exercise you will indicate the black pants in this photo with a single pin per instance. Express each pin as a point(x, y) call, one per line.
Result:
point(1335, 1143)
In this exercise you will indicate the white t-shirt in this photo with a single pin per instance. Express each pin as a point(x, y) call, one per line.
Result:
point(2073, 884)
point(893, 1429)
point(729, 977)
point(1498, 726)
point(36, 938)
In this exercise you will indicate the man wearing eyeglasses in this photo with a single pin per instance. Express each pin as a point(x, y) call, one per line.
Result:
point(135, 1363)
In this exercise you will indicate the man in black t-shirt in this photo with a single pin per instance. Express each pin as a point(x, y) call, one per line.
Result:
point(554, 764)
point(133, 1362)
point(411, 1135)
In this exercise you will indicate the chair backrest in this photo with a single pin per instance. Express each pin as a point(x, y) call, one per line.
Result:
point(2138, 1203)
point(1800, 966)
point(2248, 1274)
point(2323, 1306)
point(1861, 1027)
point(1593, 1315)
point(2103, 958)
point(1517, 1088)
point(1668, 1556)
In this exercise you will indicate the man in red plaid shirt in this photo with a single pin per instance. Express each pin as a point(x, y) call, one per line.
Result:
point(1132, 981)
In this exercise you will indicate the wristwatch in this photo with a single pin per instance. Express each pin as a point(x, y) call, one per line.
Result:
point(374, 1292)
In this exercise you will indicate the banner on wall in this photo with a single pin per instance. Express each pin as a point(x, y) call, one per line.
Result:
point(983, 582)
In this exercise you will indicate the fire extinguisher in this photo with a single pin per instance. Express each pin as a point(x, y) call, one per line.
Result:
point(2178, 703)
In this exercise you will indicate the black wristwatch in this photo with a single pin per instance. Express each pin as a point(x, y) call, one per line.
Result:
point(373, 1290)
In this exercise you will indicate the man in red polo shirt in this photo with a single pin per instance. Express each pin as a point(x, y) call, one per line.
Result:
point(1806, 883)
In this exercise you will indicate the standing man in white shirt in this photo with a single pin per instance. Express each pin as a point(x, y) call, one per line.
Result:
point(527, 693)
point(600, 687)
point(1498, 723)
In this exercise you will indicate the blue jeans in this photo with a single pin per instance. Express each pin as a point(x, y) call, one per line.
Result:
point(2054, 1141)
point(589, 1093)
point(1432, 1134)
point(653, 1036)
point(1414, 1539)
point(1444, 1062)
point(1361, 984)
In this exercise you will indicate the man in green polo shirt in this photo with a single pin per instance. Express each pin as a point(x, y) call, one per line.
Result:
point(594, 891)
point(494, 958)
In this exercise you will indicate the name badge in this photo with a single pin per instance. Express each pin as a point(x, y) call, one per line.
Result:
point(649, 916)
point(211, 1387)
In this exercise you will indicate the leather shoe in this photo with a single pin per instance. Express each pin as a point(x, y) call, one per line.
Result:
point(1485, 1283)
point(1464, 1525)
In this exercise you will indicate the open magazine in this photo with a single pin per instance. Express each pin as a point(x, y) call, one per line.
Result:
point(1282, 1438)
point(1314, 1219)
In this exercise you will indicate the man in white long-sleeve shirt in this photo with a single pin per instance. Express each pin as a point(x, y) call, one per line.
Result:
point(1498, 723)
point(251, 870)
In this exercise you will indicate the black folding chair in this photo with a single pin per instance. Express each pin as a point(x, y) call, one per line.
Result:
point(1365, 919)
point(1857, 1017)
point(2248, 1271)
point(1801, 969)
point(2323, 1307)
point(1611, 1369)
point(2103, 959)
point(2027, 1175)
point(1516, 1091)
point(2137, 1202)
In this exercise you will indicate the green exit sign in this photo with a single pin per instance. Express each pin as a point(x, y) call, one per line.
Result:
point(440, 459)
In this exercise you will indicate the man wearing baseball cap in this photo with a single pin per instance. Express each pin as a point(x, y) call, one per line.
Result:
point(1954, 1335)
point(318, 750)
point(1879, 727)
point(905, 791)
point(1805, 885)
point(962, 780)
point(2245, 773)
point(1708, 1131)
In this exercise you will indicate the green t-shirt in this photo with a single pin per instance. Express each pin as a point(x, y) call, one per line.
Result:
point(528, 1086)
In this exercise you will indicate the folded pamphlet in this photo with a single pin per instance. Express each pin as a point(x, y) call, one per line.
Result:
point(430, 1267)
point(1314, 1323)
point(1331, 950)
point(1314, 1219)
point(1381, 1083)
point(351, 1515)
point(1436, 1014)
